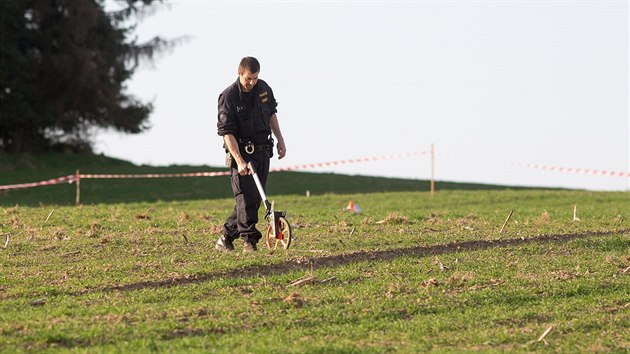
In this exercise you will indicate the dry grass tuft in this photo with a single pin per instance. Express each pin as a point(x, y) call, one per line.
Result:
point(294, 299)
point(433, 219)
point(216, 229)
point(544, 217)
point(459, 278)
point(394, 219)
point(183, 217)
point(11, 210)
point(431, 282)
point(95, 230)
point(366, 221)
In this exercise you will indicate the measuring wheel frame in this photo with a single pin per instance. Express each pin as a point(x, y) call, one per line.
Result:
point(279, 231)
point(283, 232)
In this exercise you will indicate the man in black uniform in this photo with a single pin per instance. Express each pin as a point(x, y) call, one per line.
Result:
point(247, 117)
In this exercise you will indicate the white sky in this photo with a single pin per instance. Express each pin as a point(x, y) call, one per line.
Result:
point(490, 83)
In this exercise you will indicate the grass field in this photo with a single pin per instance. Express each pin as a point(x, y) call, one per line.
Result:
point(411, 273)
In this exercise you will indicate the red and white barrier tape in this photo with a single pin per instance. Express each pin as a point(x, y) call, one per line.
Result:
point(344, 162)
point(585, 171)
point(69, 179)
point(72, 178)
point(157, 175)
point(278, 169)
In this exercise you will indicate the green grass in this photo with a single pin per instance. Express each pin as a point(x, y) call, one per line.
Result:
point(411, 273)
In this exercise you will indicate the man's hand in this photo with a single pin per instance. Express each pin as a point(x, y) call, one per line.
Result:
point(275, 128)
point(243, 170)
point(282, 149)
point(232, 145)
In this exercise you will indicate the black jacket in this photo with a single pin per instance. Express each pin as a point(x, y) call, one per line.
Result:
point(247, 121)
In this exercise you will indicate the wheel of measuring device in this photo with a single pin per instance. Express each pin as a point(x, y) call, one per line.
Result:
point(283, 235)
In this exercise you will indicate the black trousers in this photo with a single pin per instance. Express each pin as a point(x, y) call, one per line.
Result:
point(242, 222)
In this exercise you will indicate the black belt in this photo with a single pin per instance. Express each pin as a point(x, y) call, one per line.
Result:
point(250, 147)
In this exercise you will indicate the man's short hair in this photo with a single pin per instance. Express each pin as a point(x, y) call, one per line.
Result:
point(250, 64)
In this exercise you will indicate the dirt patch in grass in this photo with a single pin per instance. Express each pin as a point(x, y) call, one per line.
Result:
point(354, 257)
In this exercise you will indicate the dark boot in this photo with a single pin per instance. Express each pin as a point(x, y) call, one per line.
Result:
point(249, 246)
point(224, 244)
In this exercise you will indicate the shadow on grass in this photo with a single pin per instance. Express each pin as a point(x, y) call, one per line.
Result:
point(360, 256)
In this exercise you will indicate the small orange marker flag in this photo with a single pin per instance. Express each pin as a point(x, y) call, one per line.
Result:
point(353, 207)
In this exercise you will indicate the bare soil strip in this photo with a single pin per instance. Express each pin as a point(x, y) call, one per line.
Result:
point(360, 256)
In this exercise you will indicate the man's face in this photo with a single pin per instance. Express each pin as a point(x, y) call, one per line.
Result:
point(248, 80)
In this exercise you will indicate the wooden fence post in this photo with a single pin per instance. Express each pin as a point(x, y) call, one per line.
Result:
point(77, 180)
point(432, 169)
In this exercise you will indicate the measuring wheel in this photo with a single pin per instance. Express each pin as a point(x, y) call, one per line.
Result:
point(282, 236)
point(279, 231)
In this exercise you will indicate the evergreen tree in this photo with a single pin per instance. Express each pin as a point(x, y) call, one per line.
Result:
point(63, 68)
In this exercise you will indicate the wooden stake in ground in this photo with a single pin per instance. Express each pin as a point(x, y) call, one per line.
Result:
point(432, 169)
point(328, 279)
point(49, 215)
point(305, 280)
point(575, 218)
point(506, 221)
point(545, 333)
point(78, 182)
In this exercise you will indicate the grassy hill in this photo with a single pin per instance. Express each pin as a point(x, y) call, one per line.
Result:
point(27, 168)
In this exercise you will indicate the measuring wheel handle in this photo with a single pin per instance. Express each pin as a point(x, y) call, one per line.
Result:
point(283, 232)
